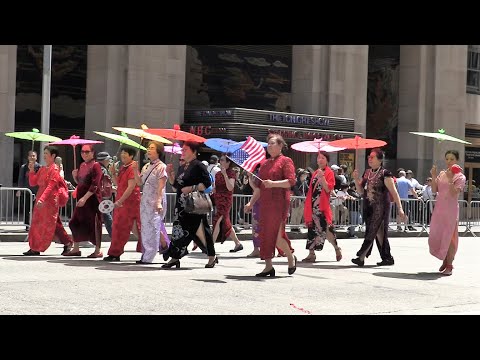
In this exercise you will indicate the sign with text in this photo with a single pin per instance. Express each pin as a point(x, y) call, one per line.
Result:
point(347, 158)
point(472, 155)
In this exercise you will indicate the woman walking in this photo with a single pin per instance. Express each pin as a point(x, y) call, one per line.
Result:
point(278, 176)
point(317, 212)
point(376, 184)
point(443, 237)
point(187, 227)
point(223, 196)
point(153, 204)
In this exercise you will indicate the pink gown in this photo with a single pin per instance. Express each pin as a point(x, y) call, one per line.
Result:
point(444, 223)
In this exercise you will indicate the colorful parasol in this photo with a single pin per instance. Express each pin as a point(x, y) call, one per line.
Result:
point(75, 140)
point(34, 135)
point(176, 134)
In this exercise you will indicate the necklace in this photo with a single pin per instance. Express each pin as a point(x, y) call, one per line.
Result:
point(375, 173)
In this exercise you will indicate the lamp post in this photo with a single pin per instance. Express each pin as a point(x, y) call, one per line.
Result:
point(46, 84)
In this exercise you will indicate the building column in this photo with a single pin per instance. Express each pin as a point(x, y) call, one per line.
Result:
point(130, 85)
point(432, 96)
point(331, 80)
point(155, 85)
point(8, 78)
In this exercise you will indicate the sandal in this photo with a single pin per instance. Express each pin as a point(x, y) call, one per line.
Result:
point(95, 255)
point(73, 253)
point(310, 259)
point(444, 265)
point(448, 270)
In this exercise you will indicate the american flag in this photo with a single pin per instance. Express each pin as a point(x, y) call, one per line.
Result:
point(249, 155)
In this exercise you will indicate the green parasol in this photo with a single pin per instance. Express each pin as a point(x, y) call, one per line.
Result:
point(441, 136)
point(34, 135)
point(122, 138)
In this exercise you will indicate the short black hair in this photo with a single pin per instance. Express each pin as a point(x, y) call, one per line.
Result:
point(379, 153)
point(53, 150)
point(130, 150)
point(194, 146)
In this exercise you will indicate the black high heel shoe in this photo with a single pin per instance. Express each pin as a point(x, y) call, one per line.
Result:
point(292, 269)
point(172, 264)
point(270, 273)
point(212, 264)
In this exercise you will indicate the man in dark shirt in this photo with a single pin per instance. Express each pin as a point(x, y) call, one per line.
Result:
point(24, 183)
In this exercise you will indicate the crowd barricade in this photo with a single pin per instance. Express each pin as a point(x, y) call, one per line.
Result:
point(414, 209)
point(14, 205)
point(348, 214)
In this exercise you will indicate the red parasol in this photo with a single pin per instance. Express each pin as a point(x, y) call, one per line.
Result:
point(75, 140)
point(358, 143)
point(176, 134)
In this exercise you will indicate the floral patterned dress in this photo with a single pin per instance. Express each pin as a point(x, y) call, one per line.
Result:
point(152, 221)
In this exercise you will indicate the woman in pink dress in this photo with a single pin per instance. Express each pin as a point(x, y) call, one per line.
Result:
point(443, 238)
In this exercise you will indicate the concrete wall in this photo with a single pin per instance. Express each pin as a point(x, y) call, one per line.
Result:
point(8, 74)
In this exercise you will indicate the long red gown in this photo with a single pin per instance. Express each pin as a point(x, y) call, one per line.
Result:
point(126, 214)
point(274, 203)
point(86, 222)
point(223, 203)
point(46, 223)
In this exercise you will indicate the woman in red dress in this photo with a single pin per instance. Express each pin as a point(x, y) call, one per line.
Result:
point(127, 205)
point(46, 223)
point(86, 222)
point(278, 176)
point(223, 196)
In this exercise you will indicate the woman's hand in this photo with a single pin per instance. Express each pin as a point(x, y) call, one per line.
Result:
point(268, 184)
point(247, 208)
point(355, 175)
point(433, 172)
point(81, 202)
point(39, 204)
point(320, 174)
point(74, 173)
point(402, 216)
point(117, 204)
point(169, 169)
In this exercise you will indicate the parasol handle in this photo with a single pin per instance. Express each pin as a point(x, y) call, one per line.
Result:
point(74, 158)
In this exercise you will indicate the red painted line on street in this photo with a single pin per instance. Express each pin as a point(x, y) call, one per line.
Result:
point(301, 309)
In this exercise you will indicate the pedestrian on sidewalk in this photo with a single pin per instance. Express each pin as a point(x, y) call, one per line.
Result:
point(443, 237)
point(23, 182)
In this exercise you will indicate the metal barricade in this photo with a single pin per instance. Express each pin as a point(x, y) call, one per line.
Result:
point(464, 209)
point(414, 209)
point(16, 205)
point(66, 212)
point(473, 215)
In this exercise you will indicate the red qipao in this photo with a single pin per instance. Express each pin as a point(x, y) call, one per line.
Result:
point(45, 219)
point(223, 203)
point(324, 197)
point(126, 215)
point(86, 222)
point(274, 203)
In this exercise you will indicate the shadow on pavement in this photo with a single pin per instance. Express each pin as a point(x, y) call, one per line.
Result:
point(31, 258)
point(253, 278)
point(343, 266)
point(410, 276)
point(210, 281)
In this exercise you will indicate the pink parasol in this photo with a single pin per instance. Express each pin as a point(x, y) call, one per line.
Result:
point(75, 140)
point(315, 146)
point(173, 149)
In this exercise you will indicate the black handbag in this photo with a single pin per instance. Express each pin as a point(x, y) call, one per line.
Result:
point(199, 203)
